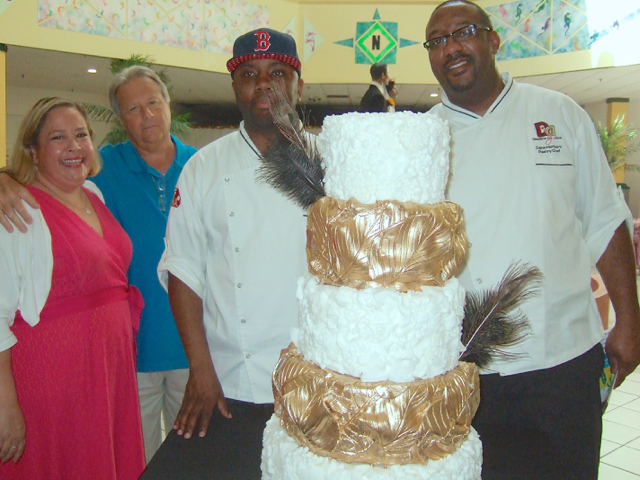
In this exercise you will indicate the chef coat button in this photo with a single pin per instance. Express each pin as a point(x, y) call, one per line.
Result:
point(237, 249)
point(226, 179)
point(239, 285)
point(243, 321)
point(478, 281)
point(231, 214)
point(248, 356)
point(470, 244)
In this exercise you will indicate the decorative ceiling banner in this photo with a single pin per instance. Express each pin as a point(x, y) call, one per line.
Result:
point(4, 4)
point(312, 39)
point(531, 28)
point(614, 28)
point(290, 29)
point(623, 16)
point(376, 41)
point(209, 25)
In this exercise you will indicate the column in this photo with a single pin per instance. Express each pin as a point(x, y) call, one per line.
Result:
point(617, 107)
point(3, 105)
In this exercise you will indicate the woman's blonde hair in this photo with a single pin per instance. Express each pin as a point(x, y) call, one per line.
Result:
point(21, 160)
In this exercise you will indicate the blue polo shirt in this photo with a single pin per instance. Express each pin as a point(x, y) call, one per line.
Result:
point(139, 197)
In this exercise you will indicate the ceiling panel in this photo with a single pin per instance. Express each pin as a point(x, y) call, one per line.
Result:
point(64, 71)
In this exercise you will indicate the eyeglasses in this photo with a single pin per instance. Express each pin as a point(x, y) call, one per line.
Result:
point(461, 35)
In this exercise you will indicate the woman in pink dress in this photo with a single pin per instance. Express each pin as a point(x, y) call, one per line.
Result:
point(68, 398)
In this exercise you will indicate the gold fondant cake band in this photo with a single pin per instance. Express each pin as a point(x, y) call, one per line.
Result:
point(404, 246)
point(381, 423)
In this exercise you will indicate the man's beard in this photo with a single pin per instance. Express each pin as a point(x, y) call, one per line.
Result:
point(460, 88)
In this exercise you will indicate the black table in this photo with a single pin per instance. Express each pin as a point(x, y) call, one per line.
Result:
point(223, 454)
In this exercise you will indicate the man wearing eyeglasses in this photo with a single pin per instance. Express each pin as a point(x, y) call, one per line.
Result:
point(529, 172)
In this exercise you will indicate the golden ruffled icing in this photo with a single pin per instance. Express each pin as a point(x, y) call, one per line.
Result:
point(391, 244)
point(381, 423)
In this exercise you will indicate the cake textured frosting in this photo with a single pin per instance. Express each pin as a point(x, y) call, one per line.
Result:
point(284, 459)
point(379, 334)
point(379, 156)
point(372, 387)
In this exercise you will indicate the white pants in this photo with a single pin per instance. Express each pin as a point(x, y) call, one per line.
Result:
point(160, 394)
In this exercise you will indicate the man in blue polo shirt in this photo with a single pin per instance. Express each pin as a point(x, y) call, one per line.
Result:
point(137, 182)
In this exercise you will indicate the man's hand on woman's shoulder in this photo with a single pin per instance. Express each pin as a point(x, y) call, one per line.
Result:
point(12, 204)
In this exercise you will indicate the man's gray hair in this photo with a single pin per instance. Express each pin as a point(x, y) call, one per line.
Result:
point(129, 74)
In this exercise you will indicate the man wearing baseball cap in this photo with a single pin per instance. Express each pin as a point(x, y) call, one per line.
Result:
point(235, 248)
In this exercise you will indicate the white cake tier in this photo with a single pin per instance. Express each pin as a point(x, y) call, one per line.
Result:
point(284, 459)
point(400, 156)
point(379, 334)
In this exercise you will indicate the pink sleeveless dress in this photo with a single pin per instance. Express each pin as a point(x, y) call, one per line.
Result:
point(75, 370)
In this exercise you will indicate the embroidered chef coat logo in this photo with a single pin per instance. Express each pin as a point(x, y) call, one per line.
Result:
point(543, 129)
point(546, 134)
point(263, 43)
point(176, 199)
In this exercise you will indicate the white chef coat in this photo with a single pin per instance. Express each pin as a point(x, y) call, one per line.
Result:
point(240, 245)
point(535, 187)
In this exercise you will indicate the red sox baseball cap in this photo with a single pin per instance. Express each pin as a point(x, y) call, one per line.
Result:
point(264, 43)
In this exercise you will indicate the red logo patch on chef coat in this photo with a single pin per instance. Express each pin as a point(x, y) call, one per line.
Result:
point(543, 129)
point(176, 199)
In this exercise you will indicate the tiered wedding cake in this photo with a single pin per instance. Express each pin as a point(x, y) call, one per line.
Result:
point(371, 387)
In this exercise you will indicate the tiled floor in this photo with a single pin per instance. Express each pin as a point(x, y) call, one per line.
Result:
point(620, 450)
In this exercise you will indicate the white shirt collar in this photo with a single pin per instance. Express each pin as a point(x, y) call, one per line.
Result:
point(508, 84)
point(382, 88)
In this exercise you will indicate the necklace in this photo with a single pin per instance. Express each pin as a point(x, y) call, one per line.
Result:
point(161, 190)
point(86, 200)
point(248, 143)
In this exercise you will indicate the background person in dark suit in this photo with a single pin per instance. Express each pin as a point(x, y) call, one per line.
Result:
point(381, 94)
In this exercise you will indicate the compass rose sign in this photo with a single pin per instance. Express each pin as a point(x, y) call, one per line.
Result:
point(376, 41)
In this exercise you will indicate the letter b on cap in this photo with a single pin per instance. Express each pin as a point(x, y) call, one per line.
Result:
point(262, 40)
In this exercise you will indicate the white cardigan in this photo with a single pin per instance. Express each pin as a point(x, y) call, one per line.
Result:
point(26, 267)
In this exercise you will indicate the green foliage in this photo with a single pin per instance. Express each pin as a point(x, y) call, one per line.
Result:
point(618, 142)
point(116, 135)
point(119, 64)
point(180, 124)
point(99, 113)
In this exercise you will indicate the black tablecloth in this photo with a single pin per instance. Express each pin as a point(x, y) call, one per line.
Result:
point(231, 449)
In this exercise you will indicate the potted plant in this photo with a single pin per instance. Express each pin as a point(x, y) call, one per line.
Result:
point(180, 124)
point(618, 142)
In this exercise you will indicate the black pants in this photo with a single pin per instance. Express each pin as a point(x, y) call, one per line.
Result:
point(231, 450)
point(545, 424)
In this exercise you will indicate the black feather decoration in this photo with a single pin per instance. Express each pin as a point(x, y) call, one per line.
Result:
point(492, 319)
point(292, 163)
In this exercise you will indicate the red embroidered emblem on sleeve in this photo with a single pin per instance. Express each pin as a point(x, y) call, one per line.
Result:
point(176, 199)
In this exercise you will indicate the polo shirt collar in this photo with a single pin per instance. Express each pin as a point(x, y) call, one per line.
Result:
point(135, 162)
point(508, 86)
point(181, 160)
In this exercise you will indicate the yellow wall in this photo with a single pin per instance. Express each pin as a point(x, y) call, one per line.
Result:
point(334, 20)
point(618, 107)
point(18, 27)
point(335, 64)
point(3, 107)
